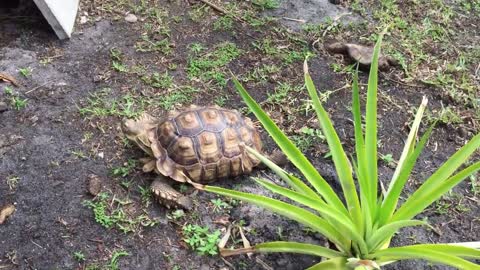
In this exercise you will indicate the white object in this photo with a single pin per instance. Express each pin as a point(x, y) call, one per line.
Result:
point(60, 14)
point(131, 18)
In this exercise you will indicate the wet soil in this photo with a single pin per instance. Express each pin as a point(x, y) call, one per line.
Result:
point(40, 145)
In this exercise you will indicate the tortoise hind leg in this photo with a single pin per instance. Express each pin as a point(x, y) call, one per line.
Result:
point(168, 196)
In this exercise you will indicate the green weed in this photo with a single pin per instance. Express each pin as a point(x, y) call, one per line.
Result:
point(307, 138)
point(201, 239)
point(388, 159)
point(219, 205)
point(178, 96)
point(198, 13)
point(146, 195)
point(79, 256)
point(223, 23)
point(210, 66)
point(124, 170)
point(110, 212)
point(266, 4)
point(18, 103)
point(261, 74)
point(12, 181)
point(283, 93)
point(164, 81)
point(25, 72)
point(8, 90)
point(267, 46)
point(147, 45)
point(115, 257)
point(101, 104)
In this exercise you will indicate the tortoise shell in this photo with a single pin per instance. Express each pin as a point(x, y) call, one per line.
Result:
point(204, 144)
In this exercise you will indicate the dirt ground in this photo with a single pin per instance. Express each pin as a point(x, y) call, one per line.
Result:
point(60, 126)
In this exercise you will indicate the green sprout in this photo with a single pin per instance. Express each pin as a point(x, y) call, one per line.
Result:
point(25, 72)
point(200, 239)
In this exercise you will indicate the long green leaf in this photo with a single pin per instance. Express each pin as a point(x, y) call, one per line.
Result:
point(295, 247)
point(449, 167)
point(312, 203)
point(410, 143)
point(342, 222)
point(446, 257)
point(395, 189)
point(290, 211)
point(385, 233)
point(371, 127)
point(455, 249)
point(339, 263)
point(416, 204)
point(292, 152)
point(291, 180)
point(342, 165)
point(360, 170)
point(365, 189)
point(474, 245)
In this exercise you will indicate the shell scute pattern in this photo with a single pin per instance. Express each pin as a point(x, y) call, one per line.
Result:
point(212, 120)
point(204, 144)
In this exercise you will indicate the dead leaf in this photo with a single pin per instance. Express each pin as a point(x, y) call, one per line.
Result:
point(224, 220)
point(6, 212)
point(8, 78)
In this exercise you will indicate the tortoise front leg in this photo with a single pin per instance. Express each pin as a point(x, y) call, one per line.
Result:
point(168, 196)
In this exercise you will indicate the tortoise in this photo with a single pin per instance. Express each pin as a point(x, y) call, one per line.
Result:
point(199, 145)
point(361, 54)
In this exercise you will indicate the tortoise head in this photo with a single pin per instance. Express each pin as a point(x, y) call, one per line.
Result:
point(137, 130)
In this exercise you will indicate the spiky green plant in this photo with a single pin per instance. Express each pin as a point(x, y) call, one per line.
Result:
point(362, 228)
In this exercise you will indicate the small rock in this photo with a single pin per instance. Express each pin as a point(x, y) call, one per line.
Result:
point(131, 18)
point(6, 212)
point(205, 267)
point(335, 2)
point(94, 184)
point(3, 106)
point(83, 19)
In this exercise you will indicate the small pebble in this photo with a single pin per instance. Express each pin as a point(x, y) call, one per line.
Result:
point(5, 212)
point(131, 18)
point(83, 19)
point(205, 267)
